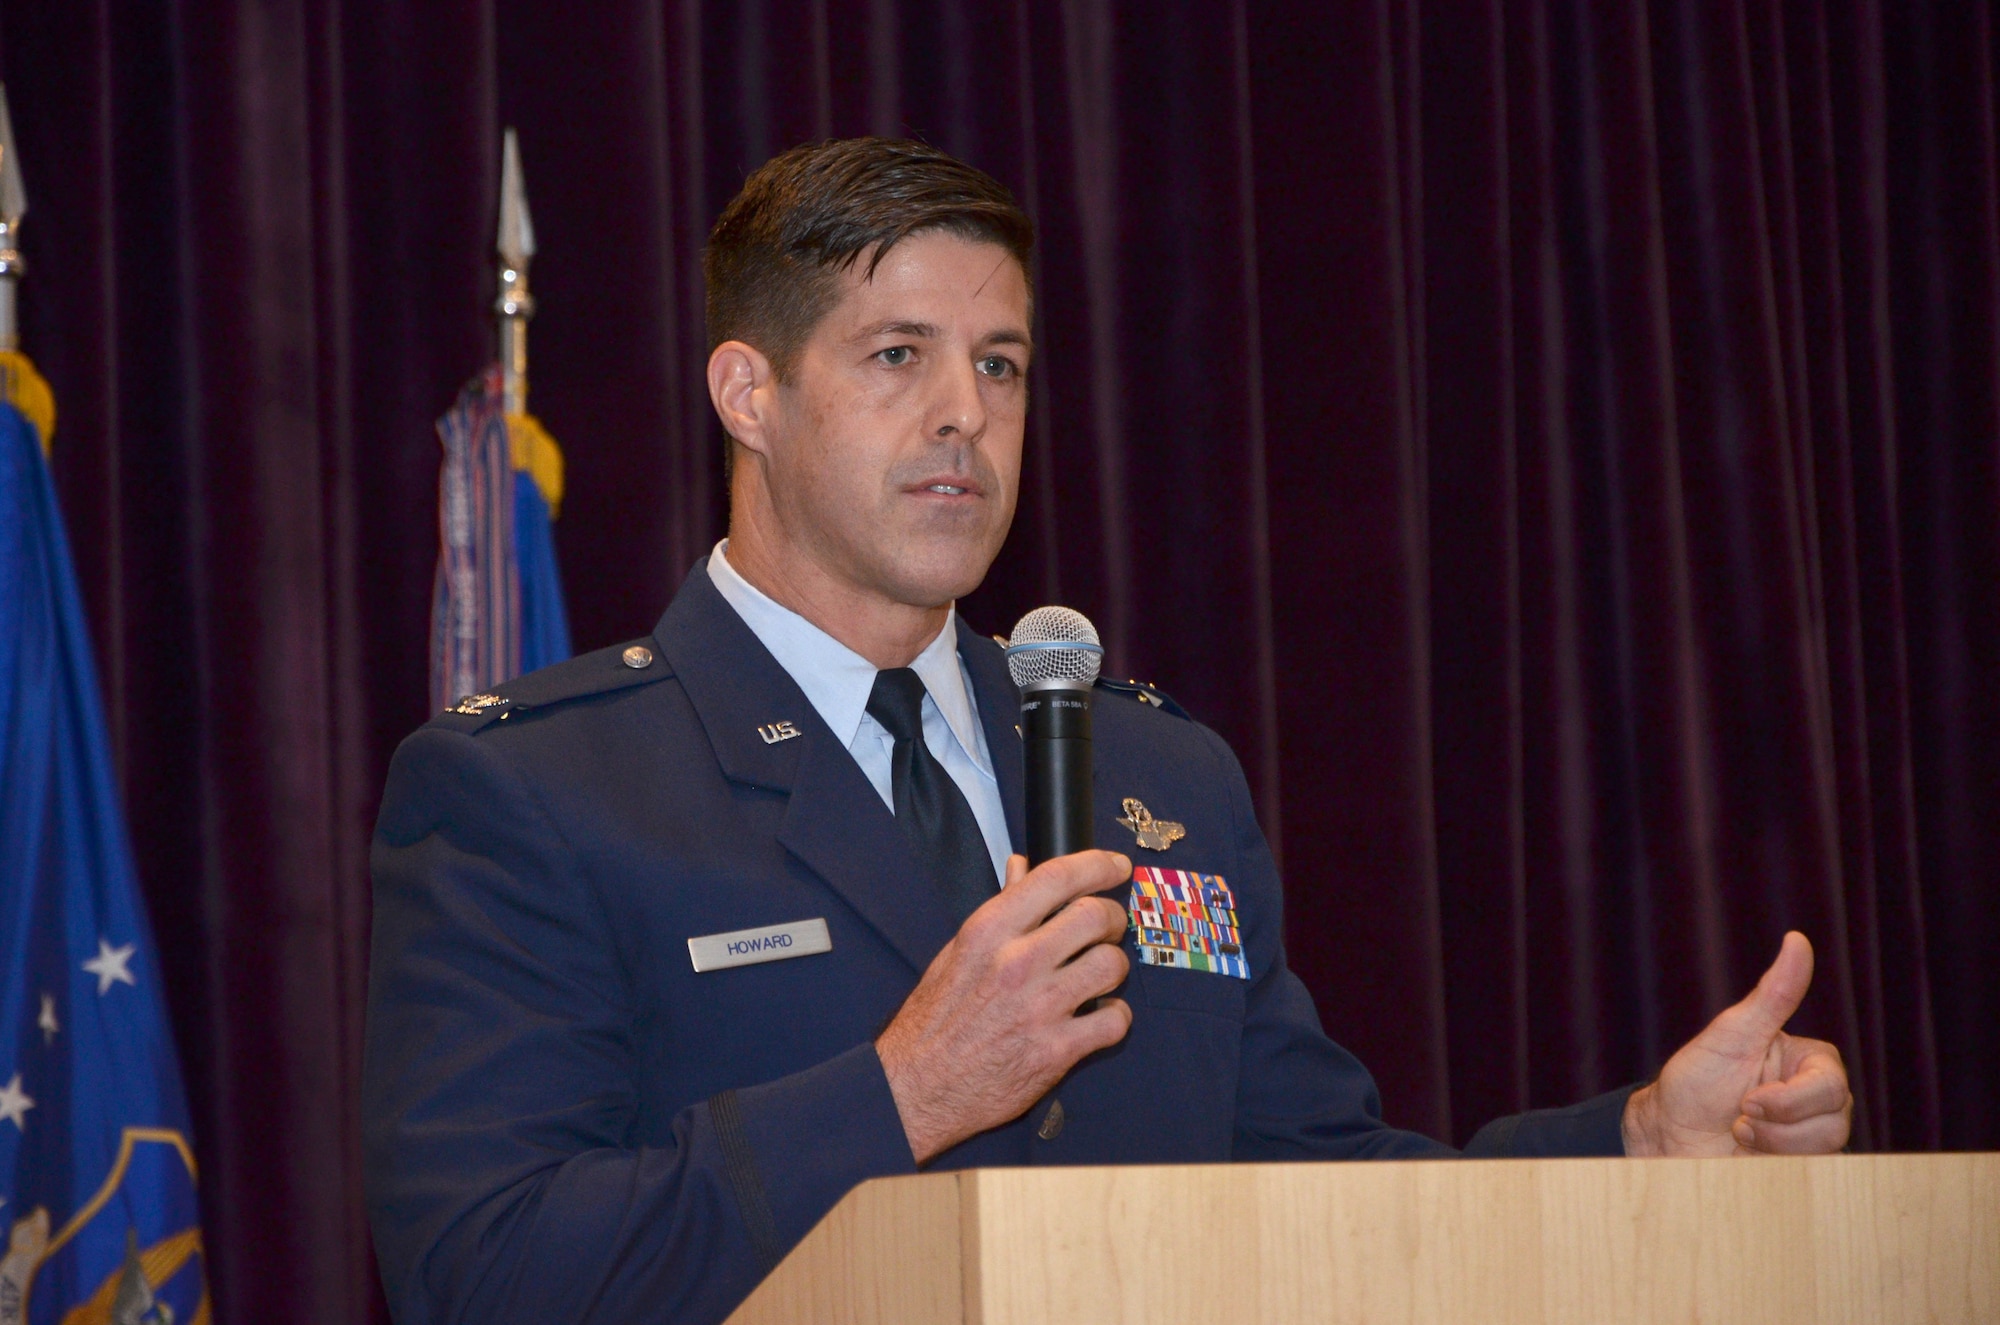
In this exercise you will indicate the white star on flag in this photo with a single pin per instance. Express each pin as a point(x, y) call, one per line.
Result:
point(109, 966)
point(14, 1103)
point(47, 1021)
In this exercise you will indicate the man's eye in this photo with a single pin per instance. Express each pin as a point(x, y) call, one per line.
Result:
point(895, 356)
point(995, 365)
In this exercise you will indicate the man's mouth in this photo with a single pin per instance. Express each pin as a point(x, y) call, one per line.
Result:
point(952, 486)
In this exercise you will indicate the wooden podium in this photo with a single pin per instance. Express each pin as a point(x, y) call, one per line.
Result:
point(1836, 1238)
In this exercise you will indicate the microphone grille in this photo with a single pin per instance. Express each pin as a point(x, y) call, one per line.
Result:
point(1054, 644)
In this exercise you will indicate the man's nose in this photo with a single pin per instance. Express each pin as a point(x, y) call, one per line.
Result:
point(959, 410)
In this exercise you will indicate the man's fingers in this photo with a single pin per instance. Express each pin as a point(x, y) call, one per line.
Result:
point(1778, 995)
point(1038, 894)
point(1808, 1113)
point(1817, 1086)
point(1096, 1030)
point(1815, 1136)
point(1086, 921)
point(1748, 1028)
point(1099, 971)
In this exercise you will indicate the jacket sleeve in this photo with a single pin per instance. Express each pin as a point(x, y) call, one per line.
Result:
point(499, 1099)
point(1594, 1127)
point(1301, 1096)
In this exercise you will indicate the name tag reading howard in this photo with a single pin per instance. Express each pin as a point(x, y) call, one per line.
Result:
point(747, 947)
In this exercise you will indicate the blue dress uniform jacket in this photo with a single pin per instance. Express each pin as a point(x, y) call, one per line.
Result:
point(563, 1120)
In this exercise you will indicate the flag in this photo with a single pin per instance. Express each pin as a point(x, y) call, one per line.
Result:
point(497, 609)
point(97, 1175)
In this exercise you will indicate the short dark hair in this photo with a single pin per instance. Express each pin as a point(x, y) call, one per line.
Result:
point(777, 251)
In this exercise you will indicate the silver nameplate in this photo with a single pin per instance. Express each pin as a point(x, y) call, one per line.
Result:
point(746, 947)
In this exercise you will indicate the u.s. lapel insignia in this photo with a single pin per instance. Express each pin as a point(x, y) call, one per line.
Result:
point(774, 732)
point(1153, 834)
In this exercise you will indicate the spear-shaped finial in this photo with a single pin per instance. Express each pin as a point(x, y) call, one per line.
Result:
point(515, 245)
point(13, 206)
point(516, 241)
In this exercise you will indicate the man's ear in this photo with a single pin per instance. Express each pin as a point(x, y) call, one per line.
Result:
point(740, 385)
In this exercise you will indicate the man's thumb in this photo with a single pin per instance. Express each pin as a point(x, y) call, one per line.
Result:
point(1778, 995)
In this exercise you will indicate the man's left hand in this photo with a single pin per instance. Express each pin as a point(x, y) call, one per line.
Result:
point(1743, 1086)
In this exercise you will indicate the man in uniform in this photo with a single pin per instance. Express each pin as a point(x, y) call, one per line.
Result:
point(677, 942)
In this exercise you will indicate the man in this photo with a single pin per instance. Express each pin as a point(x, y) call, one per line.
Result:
point(573, 1112)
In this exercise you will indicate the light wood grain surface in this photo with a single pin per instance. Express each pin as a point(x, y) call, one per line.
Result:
point(1829, 1239)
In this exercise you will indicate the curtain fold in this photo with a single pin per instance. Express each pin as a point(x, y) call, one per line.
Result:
point(1555, 444)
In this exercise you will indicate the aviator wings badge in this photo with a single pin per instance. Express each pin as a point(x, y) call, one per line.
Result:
point(1153, 834)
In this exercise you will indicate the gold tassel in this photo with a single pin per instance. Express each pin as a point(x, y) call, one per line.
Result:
point(28, 391)
point(535, 451)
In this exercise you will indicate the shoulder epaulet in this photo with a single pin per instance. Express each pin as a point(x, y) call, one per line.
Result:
point(1145, 694)
point(602, 671)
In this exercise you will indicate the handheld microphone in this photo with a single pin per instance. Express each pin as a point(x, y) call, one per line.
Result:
point(1054, 656)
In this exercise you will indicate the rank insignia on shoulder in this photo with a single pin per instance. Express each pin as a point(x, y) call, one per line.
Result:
point(1145, 693)
point(472, 705)
point(1187, 921)
point(1153, 834)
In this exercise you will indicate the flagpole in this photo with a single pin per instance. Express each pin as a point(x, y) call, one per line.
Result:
point(13, 206)
point(515, 245)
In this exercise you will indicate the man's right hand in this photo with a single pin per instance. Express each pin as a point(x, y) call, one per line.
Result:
point(993, 1024)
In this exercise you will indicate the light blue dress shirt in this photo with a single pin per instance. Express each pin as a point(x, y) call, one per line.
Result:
point(837, 681)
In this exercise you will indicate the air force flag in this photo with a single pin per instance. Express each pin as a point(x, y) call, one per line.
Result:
point(97, 1178)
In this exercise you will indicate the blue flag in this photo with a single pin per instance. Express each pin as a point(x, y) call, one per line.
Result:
point(497, 609)
point(544, 623)
point(97, 1176)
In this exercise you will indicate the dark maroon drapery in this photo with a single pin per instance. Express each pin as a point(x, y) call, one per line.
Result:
point(1555, 443)
point(1667, 564)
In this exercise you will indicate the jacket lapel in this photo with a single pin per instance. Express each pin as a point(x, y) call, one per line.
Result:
point(835, 824)
point(735, 685)
point(840, 829)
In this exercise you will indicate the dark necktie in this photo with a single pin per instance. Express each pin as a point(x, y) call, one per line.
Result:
point(929, 805)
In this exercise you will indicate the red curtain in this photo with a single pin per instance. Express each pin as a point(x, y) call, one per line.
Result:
point(1554, 442)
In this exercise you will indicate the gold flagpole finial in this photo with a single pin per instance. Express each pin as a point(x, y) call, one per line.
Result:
point(515, 244)
point(13, 206)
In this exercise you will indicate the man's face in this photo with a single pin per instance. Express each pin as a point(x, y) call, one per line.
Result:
point(895, 454)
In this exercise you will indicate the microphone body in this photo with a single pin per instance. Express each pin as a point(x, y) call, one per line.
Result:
point(1055, 737)
point(1053, 657)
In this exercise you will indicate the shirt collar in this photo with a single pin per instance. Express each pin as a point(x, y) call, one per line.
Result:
point(836, 680)
point(944, 676)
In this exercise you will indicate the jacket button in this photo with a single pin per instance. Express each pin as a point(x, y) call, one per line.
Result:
point(1052, 1123)
point(638, 656)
